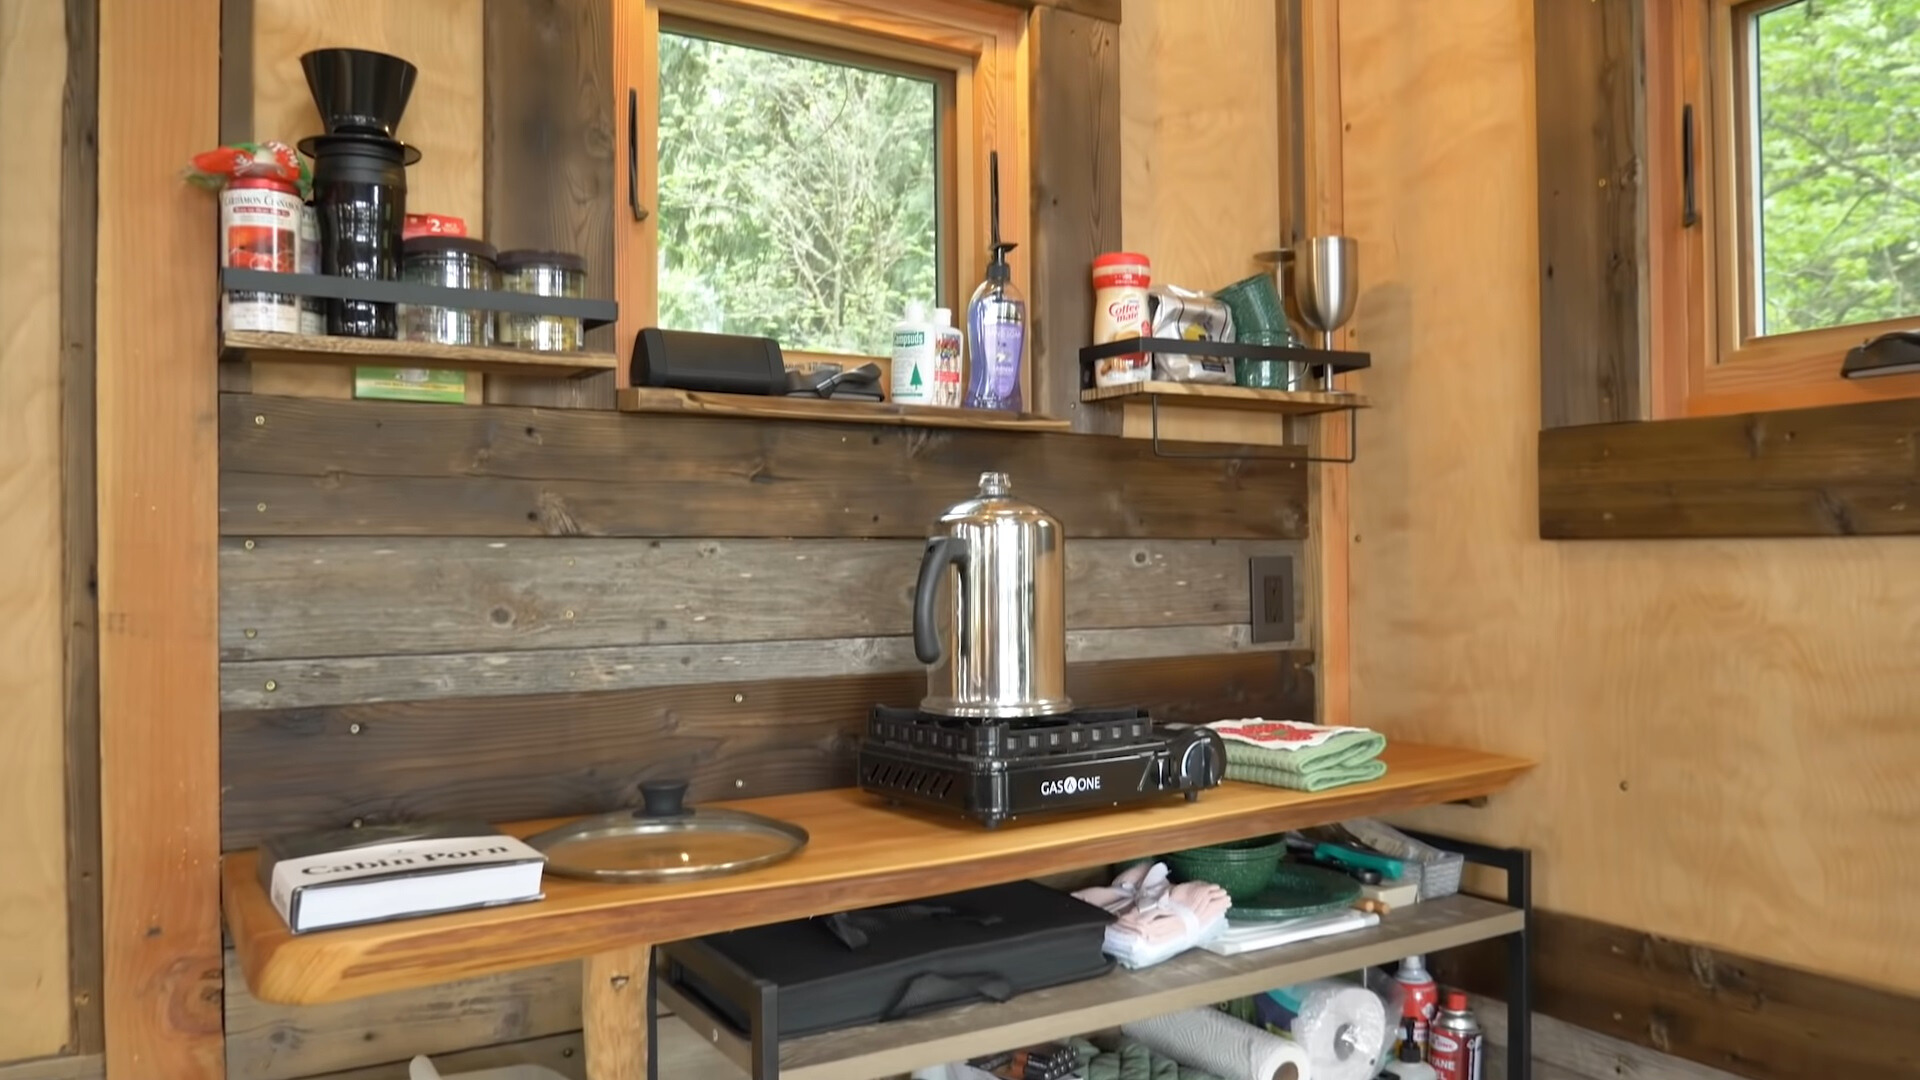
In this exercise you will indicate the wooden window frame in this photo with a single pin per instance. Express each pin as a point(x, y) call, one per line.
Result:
point(1705, 358)
point(983, 45)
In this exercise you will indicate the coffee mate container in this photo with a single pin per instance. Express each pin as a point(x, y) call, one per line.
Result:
point(1120, 281)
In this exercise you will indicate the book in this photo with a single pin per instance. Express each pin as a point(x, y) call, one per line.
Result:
point(347, 877)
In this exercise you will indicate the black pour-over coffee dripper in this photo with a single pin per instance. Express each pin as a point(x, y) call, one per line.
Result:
point(359, 176)
point(358, 91)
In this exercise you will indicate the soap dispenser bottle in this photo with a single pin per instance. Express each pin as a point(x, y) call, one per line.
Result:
point(996, 321)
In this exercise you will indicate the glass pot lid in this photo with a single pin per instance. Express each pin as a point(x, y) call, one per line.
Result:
point(665, 840)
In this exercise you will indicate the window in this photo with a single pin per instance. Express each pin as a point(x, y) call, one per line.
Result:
point(800, 169)
point(799, 195)
point(1803, 179)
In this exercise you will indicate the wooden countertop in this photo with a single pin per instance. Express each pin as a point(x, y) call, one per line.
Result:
point(862, 853)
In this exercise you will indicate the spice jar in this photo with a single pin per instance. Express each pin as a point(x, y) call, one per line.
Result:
point(542, 273)
point(456, 262)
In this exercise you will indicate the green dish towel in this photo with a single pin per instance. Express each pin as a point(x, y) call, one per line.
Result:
point(1124, 1059)
point(1316, 758)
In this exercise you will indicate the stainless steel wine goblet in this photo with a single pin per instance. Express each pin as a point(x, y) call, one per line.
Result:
point(1326, 281)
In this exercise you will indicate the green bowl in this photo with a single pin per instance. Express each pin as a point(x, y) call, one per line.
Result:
point(1243, 867)
point(1296, 891)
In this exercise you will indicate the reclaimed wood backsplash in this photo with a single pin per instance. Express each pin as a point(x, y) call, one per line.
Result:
point(508, 612)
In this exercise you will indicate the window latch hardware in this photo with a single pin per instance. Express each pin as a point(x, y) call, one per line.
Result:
point(633, 155)
point(1689, 209)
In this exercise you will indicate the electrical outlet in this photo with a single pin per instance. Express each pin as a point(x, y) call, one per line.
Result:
point(1271, 592)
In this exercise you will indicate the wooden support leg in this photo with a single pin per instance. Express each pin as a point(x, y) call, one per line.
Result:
point(613, 1005)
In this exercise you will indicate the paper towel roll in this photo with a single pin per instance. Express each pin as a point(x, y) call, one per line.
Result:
point(1210, 1039)
point(1342, 1027)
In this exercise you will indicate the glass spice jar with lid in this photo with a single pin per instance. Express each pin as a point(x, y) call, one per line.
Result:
point(542, 273)
point(458, 262)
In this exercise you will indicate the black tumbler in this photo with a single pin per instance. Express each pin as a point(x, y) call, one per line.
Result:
point(360, 194)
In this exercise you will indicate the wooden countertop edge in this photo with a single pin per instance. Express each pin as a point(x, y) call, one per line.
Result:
point(348, 964)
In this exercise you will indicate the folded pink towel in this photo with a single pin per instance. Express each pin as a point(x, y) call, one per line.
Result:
point(1156, 915)
point(1184, 911)
point(1127, 889)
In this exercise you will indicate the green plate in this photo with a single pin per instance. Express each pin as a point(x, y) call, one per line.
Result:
point(1296, 892)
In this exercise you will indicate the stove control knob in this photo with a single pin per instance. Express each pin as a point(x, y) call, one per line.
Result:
point(1202, 758)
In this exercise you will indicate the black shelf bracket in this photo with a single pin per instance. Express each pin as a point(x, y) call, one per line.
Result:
point(1286, 435)
point(1517, 864)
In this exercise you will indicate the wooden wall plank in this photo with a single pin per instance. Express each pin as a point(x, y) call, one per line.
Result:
point(1590, 94)
point(355, 596)
point(1839, 470)
point(79, 183)
point(287, 684)
point(277, 1042)
point(33, 894)
point(563, 1054)
point(1105, 10)
point(549, 159)
point(157, 480)
point(1749, 1017)
point(1076, 199)
point(308, 467)
point(503, 759)
point(1562, 1051)
point(681, 1053)
point(81, 1067)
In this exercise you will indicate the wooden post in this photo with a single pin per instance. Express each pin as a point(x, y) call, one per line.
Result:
point(157, 413)
point(613, 1012)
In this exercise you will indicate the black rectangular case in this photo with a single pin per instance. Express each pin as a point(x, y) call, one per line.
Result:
point(863, 967)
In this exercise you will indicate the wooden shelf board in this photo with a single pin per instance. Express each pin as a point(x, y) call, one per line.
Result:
point(862, 854)
point(259, 347)
point(1244, 398)
point(642, 399)
point(1192, 980)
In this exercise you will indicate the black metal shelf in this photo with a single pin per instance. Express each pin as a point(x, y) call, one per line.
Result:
point(591, 313)
point(1284, 403)
point(1316, 359)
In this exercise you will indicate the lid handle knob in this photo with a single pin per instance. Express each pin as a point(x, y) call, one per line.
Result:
point(995, 483)
point(663, 798)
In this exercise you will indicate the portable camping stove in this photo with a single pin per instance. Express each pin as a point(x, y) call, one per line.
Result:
point(993, 770)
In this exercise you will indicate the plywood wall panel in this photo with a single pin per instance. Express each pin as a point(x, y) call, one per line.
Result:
point(33, 891)
point(1725, 728)
point(1200, 182)
point(1200, 132)
point(446, 117)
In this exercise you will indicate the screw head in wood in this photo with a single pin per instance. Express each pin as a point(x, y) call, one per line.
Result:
point(739, 698)
point(354, 729)
point(272, 686)
point(262, 507)
point(251, 633)
point(259, 420)
point(620, 982)
point(739, 783)
point(569, 613)
point(248, 545)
